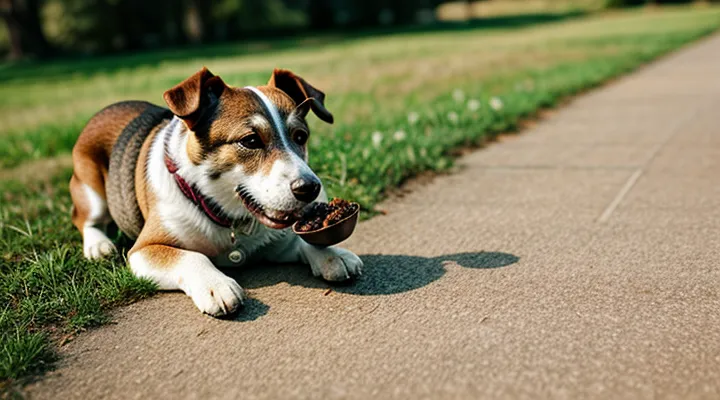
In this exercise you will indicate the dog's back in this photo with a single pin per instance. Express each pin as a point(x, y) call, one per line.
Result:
point(96, 141)
point(104, 160)
point(120, 183)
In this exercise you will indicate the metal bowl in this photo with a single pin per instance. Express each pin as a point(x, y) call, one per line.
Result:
point(333, 234)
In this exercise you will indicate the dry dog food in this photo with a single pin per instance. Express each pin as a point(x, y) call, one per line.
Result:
point(322, 215)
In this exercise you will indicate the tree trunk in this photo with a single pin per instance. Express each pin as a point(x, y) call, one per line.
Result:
point(203, 13)
point(22, 18)
point(33, 26)
point(321, 14)
point(13, 28)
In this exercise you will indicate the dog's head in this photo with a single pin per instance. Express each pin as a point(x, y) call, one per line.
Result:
point(248, 146)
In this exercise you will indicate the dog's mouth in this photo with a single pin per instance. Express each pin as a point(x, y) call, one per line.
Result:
point(274, 219)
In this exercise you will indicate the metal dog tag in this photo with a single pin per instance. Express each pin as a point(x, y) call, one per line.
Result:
point(236, 256)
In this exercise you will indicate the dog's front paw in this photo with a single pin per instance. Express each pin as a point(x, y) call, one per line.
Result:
point(216, 295)
point(335, 264)
point(96, 245)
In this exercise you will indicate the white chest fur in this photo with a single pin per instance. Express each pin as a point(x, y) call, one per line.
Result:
point(186, 222)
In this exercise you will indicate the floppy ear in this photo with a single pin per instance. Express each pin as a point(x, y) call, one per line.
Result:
point(300, 91)
point(303, 108)
point(193, 97)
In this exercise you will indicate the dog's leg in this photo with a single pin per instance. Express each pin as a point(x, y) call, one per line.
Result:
point(171, 268)
point(90, 215)
point(332, 263)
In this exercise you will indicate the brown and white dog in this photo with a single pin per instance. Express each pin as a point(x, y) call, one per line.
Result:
point(216, 180)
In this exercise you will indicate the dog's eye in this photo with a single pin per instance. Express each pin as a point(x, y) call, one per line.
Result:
point(252, 142)
point(300, 137)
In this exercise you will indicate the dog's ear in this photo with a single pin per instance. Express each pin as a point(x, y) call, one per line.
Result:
point(301, 91)
point(303, 108)
point(192, 98)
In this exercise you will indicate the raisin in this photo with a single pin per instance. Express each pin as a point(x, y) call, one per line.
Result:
point(322, 215)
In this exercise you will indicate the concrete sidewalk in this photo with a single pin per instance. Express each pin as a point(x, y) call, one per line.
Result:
point(580, 259)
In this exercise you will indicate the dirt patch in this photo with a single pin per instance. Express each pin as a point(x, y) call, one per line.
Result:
point(36, 170)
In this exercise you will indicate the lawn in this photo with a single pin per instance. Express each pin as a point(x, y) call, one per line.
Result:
point(403, 104)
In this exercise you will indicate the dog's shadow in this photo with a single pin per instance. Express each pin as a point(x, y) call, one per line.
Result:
point(382, 275)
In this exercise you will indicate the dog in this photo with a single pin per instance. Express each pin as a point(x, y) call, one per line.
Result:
point(215, 179)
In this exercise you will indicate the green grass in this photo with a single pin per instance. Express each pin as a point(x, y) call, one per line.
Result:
point(47, 289)
point(403, 105)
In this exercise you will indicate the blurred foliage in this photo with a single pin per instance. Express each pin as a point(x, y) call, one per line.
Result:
point(103, 26)
point(100, 26)
point(42, 28)
point(632, 3)
point(107, 26)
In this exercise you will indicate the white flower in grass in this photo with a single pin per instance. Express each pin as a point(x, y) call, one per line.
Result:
point(496, 104)
point(411, 154)
point(458, 95)
point(413, 118)
point(473, 104)
point(453, 117)
point(399, 136)
point(377, 139)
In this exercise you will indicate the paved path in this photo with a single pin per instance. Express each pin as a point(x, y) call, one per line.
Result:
point(580, 259)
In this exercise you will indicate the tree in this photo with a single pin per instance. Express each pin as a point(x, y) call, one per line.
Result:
point(102, 26)
point(321, 14)
point(22, 18)
point(203, 17)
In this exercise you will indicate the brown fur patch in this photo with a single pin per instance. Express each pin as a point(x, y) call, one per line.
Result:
point(227, 157)
point(229, 122)
point(81, 206)
point(195, 149)
point(161, 256)
point(239, 114)
point(281, 100)
point(227, 125)
point(286, 106)
point(91, 153)
point(153, 235)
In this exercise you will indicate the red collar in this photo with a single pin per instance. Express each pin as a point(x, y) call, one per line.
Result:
point(206, 205)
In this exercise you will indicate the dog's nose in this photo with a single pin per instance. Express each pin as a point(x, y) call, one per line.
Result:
point(304, 189)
